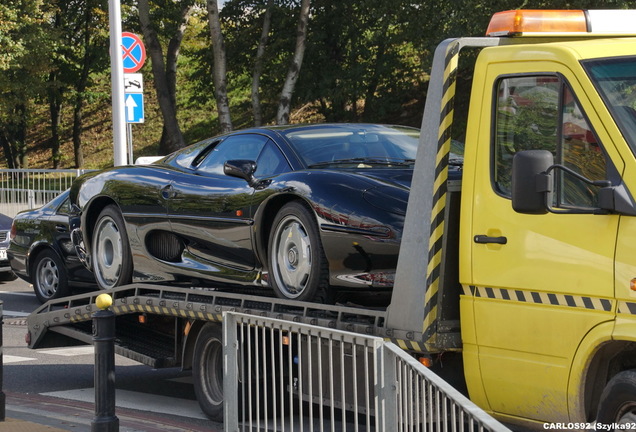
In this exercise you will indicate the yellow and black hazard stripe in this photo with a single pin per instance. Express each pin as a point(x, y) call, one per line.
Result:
point(439, 198)
point(123, 309)
point(626, 307)
point(409, 345)
point(544, 298)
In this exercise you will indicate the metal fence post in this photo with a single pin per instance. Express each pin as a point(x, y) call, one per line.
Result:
point(104, 341)
point(230, 378)
point(386, 388)
point(2, 395)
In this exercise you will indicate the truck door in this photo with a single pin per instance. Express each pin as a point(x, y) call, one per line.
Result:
point(539, 283)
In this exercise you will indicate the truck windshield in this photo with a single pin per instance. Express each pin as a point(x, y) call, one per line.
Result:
point(615, 80)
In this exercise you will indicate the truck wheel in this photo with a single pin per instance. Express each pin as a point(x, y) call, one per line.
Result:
point(618, 400)
point(111, 257)
point(207, 370)
point(207, 374)
point(49, 277)
point(297, 264)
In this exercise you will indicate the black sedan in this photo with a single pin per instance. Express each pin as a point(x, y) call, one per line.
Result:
point(307, 210)
point(41, 251)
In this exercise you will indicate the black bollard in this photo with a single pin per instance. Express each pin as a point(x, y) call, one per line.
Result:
point(3, 397)
point(104, 342)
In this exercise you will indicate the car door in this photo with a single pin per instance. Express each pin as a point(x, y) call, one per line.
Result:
point(211, 210)
point(539, 282)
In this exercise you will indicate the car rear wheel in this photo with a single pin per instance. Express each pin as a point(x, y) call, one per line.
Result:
point(297, 263)
point(49, 277)
point(111, 257)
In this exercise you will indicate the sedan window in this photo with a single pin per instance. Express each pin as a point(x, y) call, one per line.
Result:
point(246, 147)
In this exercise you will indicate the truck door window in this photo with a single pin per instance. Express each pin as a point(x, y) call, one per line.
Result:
point(615, 79)
point(541, 113)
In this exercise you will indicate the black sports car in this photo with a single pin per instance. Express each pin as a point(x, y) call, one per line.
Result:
point(41, 251)
point(308, 210)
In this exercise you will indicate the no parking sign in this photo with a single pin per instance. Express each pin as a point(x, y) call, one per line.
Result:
point(133, 52)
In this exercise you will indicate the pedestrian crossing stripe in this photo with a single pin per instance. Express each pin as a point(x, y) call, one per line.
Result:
point(8, 359)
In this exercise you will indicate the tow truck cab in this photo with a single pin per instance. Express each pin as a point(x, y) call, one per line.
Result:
point(548, 218)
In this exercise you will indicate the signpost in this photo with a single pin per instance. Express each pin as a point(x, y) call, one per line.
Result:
point(117, 83)
point(131, 59)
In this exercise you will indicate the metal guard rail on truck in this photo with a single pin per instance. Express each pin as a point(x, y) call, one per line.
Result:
point(197, 304)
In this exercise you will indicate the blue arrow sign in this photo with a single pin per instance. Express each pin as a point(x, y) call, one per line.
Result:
point(134, 107)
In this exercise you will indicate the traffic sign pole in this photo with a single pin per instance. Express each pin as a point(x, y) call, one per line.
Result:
point(117, 83)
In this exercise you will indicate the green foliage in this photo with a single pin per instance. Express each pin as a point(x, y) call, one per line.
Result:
point(366, 60)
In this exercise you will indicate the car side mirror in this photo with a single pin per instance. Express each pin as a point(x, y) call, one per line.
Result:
point(241, 168)
point(532, 181)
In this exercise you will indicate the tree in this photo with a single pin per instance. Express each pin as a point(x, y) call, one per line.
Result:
point(258, 64)
point(219, 73)
point(284, 104)
point(25, 47)
point(173, 17)
point(90, 55)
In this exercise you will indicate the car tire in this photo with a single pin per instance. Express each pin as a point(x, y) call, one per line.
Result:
point(49, 276)
point(7, 276)
point(618, 400)
point(110, 254)
point(298, 267)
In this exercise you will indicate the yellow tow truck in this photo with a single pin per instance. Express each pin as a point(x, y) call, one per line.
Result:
point(526, 267)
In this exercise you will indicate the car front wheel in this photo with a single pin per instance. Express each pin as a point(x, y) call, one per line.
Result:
point(297, 264)
point(111, 257)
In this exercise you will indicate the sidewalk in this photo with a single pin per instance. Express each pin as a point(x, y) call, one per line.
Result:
point(15, 425)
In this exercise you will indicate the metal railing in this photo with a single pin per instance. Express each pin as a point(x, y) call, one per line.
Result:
point(24, 189)
point(286, 376)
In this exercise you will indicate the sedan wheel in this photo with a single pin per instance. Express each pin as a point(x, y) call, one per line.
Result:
point(112, 263)
point(297, 265)
point(49, 277)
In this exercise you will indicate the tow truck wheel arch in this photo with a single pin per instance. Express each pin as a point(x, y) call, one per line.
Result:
point(601, 355)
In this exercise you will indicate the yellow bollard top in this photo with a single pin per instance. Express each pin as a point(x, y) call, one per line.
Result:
point(103, 301)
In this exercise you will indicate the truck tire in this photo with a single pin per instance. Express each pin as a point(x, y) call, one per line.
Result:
point(207, 374)
point(207, 370)
point(618, 400)
point(112, 260)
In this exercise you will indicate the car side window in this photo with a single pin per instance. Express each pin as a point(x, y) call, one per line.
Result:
point(542, 113)
point(65, 207)
point(271, 161)
point(247, 147)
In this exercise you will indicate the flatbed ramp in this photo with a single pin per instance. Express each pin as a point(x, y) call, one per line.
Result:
point(152, 323)
point(68, 320)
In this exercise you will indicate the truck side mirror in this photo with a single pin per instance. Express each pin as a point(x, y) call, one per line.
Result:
point(531, 182)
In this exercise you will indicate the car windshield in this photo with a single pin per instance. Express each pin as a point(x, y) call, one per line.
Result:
point(615, 80)
point(359, 146)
